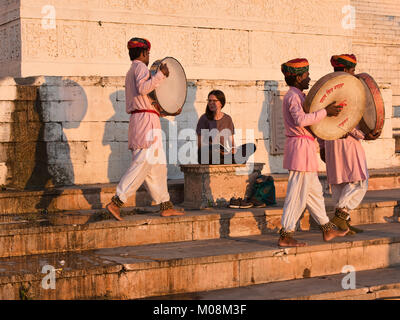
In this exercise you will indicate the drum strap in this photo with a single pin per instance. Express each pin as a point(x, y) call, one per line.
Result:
point(146, 110)
point(304, 136)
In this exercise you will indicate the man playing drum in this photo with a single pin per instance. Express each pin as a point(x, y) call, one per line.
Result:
point(144, 138)
point(346, 164)
point(300, 157)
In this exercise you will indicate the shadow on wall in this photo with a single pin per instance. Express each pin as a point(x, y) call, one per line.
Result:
point(116, 136)
point(42, 155)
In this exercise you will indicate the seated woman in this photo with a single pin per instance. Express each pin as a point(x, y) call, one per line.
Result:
point(215, 132)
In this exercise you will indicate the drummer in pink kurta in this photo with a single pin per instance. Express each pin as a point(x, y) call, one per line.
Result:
point(346, 164)
point(148, 164)
point(300, 157)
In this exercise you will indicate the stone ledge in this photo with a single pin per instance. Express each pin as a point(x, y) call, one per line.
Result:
point(86, 230)
point(156, 270)
point(370, 285)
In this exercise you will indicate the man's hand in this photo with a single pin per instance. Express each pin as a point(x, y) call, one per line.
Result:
point(333, 110)
point(164, 69)
point(370, 136)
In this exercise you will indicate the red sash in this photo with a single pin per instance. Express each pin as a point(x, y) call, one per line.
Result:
point(150, 111)
point(304, 136)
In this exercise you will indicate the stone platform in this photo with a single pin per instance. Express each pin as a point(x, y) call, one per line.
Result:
point(169, 268)
point(380, 284)
point(86, 197)
point(97, 257)
point(214, 185)
point(26, 234)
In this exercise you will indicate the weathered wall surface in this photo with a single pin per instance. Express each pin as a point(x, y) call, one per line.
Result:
point(69, 126)
point(376, 42)
point(62, 131)
point(241, 40)
point(57, 131)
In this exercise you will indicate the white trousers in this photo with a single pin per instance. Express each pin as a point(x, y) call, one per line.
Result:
point(304, 190)
point(148, 166)
point(349, 195)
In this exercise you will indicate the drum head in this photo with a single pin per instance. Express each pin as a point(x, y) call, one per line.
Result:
point(171, 93)
point(347, 91)
point(374, 115)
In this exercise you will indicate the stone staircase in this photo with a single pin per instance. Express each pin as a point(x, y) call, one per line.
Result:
point(95, 257)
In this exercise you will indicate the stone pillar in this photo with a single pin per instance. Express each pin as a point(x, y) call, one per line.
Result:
point(215, 185)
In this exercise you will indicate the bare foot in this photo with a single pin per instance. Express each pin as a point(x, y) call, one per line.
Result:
point(114, 210)
point(290, 242)
point(171, 212)
point(332, 233)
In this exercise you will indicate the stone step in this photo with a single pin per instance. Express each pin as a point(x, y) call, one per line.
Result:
point(26, 234)
point(380, 179)
point(193, 266)
point(382, 284)
point(85, 197)
point(82, 197)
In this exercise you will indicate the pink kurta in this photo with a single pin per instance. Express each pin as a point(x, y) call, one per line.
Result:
point(138, 84)
point(345, 159)
point(300, 147)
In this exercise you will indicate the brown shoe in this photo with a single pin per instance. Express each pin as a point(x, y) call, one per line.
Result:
point(341, 221)
point(329, 233)
point(114, 210)
point(286, 240)
point(171, 212)
point(167, 210)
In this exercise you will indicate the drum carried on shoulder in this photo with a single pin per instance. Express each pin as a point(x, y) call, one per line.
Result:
point(171, 93)
point(361, 101)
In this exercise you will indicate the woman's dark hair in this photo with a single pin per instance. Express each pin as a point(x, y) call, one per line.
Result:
point(134, 53)
point(338, 69)
point(220, 97)
point(290, 80)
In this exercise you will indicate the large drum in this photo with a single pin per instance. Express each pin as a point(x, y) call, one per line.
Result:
point(171, 93)
point(348, 91)
point(374, 115)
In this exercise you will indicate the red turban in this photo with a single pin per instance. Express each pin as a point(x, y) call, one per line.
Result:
point(139, 43)
point(344, 61)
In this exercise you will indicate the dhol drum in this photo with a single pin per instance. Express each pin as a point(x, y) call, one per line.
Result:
point(374, 115)
point(348, 91)
point(171, 93)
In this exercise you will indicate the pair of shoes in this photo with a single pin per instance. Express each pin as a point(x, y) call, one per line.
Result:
point(239, 203)
point(257, 204)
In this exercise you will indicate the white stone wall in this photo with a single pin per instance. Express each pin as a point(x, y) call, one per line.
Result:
point(236, 46)
point(81, 127)
point(236, 39)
